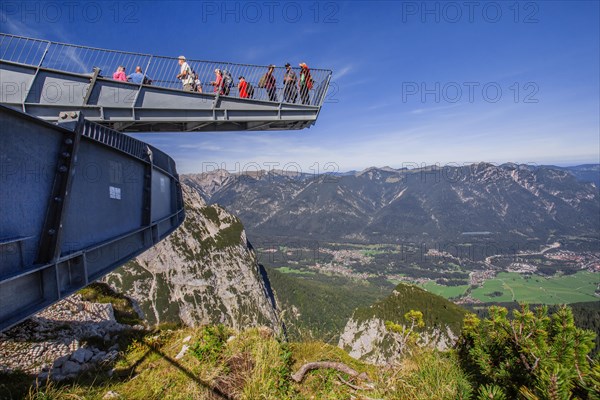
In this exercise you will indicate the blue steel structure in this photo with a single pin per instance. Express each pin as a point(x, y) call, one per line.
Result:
point(77, 201)
point(79, 198)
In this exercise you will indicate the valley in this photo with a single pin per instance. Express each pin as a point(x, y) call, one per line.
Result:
point(553, 276)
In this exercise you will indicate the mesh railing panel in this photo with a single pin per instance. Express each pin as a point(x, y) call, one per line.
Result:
point(129, 145)
point(161, 70)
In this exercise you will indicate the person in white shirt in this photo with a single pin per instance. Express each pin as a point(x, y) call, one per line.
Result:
point(185, 75)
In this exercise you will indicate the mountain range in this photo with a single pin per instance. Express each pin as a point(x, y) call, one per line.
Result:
point(509, 202)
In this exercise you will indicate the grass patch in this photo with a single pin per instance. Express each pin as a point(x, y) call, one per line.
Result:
point(428, 375)
point(372, 253)
point(288, 270)
point(537, 289)
point(211, 214)
point(249, 365)
point(444, 291)
point(98, 292)
point(230, 236)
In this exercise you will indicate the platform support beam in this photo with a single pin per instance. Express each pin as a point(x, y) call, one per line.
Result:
point(49, 247)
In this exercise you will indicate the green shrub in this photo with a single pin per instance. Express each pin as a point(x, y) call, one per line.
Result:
point(490, 392)
point(210, 344)
point(531, 355)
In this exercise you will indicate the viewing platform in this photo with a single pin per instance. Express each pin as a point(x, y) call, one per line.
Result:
point(79, 198)
point(43, 78)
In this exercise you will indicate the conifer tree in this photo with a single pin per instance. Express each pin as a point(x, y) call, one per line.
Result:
point(532, 356)
point(406, 335)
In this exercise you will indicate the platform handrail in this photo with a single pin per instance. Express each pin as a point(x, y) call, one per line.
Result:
point(162, 70)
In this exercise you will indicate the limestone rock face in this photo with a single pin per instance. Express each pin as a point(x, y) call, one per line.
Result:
point(203, 273)
point(370, 341)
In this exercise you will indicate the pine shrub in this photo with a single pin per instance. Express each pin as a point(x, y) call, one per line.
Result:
point(532, 355)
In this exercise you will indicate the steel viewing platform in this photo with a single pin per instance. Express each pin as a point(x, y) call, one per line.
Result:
point(42, 78)
point(78, 198)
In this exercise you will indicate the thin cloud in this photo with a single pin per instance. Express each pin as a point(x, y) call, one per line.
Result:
point(69, 56)
point(432, 109)
point(201, 146)
point(342, 72)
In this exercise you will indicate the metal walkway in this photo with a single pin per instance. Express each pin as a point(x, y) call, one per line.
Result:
point(77, 200)
point(43, 78)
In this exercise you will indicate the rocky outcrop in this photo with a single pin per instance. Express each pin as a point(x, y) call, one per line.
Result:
point(370, 341)
point(365, 335)
point(57, 342)
point(203, 273)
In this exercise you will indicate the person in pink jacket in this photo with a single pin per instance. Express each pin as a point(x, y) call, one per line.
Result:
point(119, 74)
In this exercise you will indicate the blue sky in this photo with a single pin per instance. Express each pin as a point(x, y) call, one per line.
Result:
point(414, 82)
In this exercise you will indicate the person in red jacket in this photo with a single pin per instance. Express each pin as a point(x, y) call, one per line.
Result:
point(305, 83)
point(218, 82)
point(243, 87)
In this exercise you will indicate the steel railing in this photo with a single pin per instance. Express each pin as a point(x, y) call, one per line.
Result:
point(160, 69)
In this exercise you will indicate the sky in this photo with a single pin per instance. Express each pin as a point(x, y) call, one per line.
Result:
point(414, 83)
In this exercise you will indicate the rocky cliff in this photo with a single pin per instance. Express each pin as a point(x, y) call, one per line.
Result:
point(203, 273)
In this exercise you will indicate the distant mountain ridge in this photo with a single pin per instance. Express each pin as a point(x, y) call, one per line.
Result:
point(510, 201)
point(585, 173)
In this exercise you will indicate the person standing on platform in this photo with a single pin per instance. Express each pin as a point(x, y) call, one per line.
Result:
point(139, 77)
point(185, 75)
point(305, 84)
point(271, 83)
point(197, 82)
point(218, 82)
point(243, 88)
point(290, 93)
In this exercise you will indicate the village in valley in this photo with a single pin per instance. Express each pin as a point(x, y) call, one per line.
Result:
point(461, 279)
